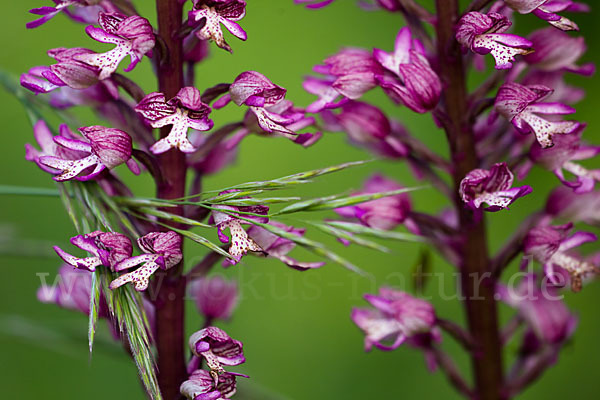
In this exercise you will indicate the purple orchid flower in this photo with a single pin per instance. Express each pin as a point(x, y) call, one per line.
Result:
point(397, 317)
point(256, 91)
point(548, 9)
point(520, 105)
point(69, 71)
point(202, 386)
point(545, 313)
point(72, 291)
point(348, 74)
point(48, 147)
point(108, 249)
point(281, 119)
point(568, 148)
point(132, 36)
point(412, 82)
point(217, 348)
point(185, 110)
point(565, 204)
point(557, 51)
point(385, 213)
point(483, 34)
point(241, 243)
point(47, 13)
point(367, 126)
point(215, 297)
point(105, 148)
point(493, 187)
point(217, 12)
point(549, 245)
point(161, 250)
point(278, 247)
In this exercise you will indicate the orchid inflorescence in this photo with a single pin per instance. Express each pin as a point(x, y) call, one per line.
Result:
point(496, 134)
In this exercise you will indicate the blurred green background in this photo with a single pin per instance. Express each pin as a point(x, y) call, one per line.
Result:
point(299, 340)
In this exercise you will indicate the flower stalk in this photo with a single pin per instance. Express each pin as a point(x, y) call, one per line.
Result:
point(170, 334)
point(476, 282)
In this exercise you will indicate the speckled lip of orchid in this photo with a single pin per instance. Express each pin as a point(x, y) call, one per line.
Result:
point(240, 242)
point(503, 54)
point(108, 62)
point(141, 276)
point(177, 138)
point(214, 16)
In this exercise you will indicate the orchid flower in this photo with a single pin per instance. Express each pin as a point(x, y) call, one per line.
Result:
point(217, 12)
point(162, 250)
point(185, 110)
point(493, 187)
point(107, 249)
point(105, 148)
point(520, 105)
point(483, 34)
point(132, 36)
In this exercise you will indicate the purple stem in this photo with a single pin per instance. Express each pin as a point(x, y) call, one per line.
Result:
point(169, 303)
point(477, 283)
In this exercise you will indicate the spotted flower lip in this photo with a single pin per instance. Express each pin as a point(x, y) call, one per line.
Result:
point(556, 50)
point(278, 247)
point(107, 249)
point(545, 314)
point(347, 75)
point(217, 348)
point(411, 82)
point(132, 36)
point(385, 213)
point(550, 246)
point(548, 9)
point(493, 187)
point(217, 12)
point(483, 34)
point(566, 150)
point(241, 243)
point(185, 110)
point(105, 148)
point(397, 317)
point(201, 386)
point(522, 107)
point(215, 297)
point(162, 250)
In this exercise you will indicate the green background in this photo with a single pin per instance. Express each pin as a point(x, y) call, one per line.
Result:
point(299, 340)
